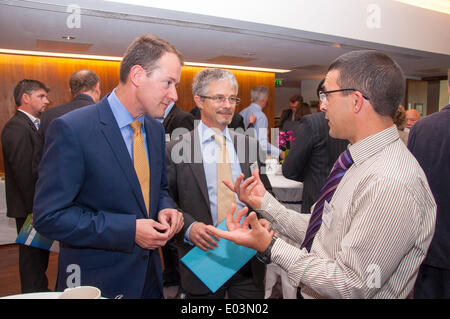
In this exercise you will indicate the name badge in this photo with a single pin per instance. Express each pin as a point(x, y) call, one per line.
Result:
point(327, 214)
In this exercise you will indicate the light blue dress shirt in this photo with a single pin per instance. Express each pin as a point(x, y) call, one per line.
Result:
point(260, 126)
point(124, 119)
point(209, 148)
point(168, 109)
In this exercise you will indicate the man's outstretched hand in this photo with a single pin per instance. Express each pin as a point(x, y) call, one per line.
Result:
point(251, 233)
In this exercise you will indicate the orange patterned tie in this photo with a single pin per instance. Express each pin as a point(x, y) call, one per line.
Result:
point(225, 197)
point(140, 162)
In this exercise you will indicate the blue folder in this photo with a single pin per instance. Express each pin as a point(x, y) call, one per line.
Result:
point(28, 236)
point(216, 266)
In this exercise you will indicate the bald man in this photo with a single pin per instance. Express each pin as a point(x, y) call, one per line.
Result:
point(412, 116)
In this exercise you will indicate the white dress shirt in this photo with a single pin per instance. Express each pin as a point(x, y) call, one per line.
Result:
point(380, 224)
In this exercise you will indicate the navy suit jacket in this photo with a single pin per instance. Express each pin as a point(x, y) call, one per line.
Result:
point(429, 142)
point(88, 197)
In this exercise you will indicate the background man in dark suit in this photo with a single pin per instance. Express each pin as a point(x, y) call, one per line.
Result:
point(429, 141)
point(312, 156)
point(102, 189)
point(85, 88)
point(176, 118)
point(19, 141)
point(289, 114)
point(215, 93)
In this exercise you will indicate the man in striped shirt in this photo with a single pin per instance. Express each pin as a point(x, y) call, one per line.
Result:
point(376, 228)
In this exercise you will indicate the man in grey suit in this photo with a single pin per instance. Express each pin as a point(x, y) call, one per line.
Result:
point(312, 156)
point(192, 160)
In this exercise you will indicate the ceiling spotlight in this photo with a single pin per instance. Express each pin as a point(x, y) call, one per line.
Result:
point(336, 45)
point(68, 37)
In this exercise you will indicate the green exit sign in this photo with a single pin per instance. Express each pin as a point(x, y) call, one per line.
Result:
point(278, 82)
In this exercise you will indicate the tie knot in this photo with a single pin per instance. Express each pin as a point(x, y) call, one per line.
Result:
point(136, 126)
point(37, 122)
point(219, 139)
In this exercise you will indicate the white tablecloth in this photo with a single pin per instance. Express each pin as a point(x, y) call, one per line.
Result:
point(8, 232)
point(287, 191)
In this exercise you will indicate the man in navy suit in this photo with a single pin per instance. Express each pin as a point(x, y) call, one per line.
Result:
point(429, 142)
point(89, 195)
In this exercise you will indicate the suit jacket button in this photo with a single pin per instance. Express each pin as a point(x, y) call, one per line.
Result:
point(145, 257)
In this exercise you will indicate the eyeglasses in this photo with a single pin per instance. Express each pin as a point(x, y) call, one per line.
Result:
point(220, 99)
point(323, 94)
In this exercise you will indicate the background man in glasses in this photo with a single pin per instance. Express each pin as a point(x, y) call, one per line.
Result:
point(206, 199)
point(374, 220)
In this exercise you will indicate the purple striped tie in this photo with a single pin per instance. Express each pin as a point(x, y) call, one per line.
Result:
point(340, 167)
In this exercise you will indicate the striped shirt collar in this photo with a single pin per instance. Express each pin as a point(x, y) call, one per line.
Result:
point(369, 146)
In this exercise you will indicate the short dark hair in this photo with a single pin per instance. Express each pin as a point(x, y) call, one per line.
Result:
point(375, 75)
point(296, 97)
point(320, 88)
point(302, 110)
point(82, 81)
point(27, 86)
point(145, 51)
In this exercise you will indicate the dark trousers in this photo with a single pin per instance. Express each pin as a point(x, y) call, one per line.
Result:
point(432, 283)
point(153, 288)
point(33, 263)
point(240, 286)
point(171, 274)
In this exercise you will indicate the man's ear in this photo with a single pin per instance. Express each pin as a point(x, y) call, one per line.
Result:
point(358, 101)
point(136, 75)
point(198, 101)
point(25, 99)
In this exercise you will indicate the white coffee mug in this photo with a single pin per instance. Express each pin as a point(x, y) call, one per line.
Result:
point(81, 292)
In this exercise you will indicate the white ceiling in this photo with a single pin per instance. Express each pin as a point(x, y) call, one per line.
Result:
point(111, 27)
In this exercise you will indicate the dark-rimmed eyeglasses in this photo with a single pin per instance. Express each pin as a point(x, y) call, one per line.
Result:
point(323, 94)
point(220, 99)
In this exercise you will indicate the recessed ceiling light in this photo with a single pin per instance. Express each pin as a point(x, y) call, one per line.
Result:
point(68, 37)
point(336, 45)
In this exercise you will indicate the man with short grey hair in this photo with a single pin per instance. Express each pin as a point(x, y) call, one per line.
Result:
point(259, 97)
point(217, 153)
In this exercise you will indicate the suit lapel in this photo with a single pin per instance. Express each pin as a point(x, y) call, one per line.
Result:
point(26, 119)
point(111, 131)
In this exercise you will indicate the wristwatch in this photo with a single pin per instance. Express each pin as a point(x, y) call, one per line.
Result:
point(265, 256)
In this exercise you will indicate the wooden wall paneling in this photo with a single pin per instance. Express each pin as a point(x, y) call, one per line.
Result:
point(55, 73)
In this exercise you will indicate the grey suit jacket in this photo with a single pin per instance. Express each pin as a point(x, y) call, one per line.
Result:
point(188, 188)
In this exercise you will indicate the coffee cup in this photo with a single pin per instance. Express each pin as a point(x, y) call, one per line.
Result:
point(81, 292)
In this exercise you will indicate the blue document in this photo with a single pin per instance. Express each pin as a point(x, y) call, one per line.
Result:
point(28, 236)
point(216, 266)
